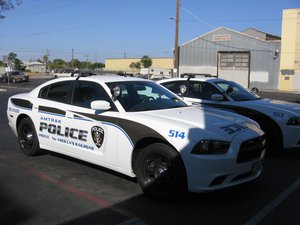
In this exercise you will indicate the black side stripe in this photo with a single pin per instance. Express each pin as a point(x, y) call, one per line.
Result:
point(52, 110)
point(135, 131)
point(22, 103)
point(251, 113)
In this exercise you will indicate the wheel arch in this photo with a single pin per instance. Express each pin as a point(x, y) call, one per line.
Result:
point(264, 119)
point(141, 144)
point(20, 118)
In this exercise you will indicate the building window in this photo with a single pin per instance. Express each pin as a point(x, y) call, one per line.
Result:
point(234, 61)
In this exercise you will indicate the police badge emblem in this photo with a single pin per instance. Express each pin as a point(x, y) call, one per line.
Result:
point(97, 135)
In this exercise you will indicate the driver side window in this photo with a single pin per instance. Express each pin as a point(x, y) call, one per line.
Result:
point(202, 90)
point(85, 92)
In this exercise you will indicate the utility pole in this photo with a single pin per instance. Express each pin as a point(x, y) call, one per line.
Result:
point(72, 62)
point(176, 55)
point(47, 59)
point(72, 54)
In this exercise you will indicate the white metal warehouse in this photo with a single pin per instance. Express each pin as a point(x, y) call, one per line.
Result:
point(250, 57)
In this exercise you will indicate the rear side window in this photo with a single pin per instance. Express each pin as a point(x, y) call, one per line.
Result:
point(58, 92)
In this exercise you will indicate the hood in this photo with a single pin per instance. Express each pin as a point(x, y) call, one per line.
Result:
point(277, 104)
point(210, 121)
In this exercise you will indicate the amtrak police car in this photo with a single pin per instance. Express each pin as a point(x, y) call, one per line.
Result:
point(138, 128)
point(280, 120)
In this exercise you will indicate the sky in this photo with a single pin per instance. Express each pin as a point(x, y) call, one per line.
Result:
point(95, 30)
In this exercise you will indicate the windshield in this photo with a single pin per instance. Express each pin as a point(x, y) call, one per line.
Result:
point(236, 91)
point(144, 95)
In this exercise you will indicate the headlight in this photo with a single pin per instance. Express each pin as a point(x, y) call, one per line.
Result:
point(206, 147)
point(294, 121)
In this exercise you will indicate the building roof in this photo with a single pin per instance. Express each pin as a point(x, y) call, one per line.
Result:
point(31, 63)
point(230, 30)
point(261, 35)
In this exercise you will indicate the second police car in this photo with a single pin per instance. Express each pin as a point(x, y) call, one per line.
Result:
point(140, 129)
point(279, 119)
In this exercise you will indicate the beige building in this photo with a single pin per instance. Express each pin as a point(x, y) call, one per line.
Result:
point(123, 64)
point(289, 78)
point(35, 66)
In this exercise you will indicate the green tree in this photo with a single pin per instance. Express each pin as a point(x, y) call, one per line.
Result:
point(135, 66)
point(14, 62)
point(2, 64)
point(97, 65)
point(132, 66)
point(46, 61)
point(85, 65)
point(57, 64)
point(18, 64)
point(75, 63)
point(6, 5)
point(146, 61)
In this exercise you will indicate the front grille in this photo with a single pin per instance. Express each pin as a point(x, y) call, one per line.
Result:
point(251, 149)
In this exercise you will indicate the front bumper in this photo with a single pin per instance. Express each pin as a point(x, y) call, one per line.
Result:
point(291, 137)
point(212, 172)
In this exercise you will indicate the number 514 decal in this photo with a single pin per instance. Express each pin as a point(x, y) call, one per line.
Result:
point(176, 134)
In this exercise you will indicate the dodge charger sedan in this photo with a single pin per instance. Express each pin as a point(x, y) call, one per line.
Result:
point(279, 119)
point(138, 128)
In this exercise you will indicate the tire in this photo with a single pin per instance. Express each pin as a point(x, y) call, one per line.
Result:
point(274, 141)
point(27, 138)
point(160, 172)
point(4, 80)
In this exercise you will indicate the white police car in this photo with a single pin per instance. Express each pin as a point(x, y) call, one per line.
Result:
point(138, 128)
point(279, 119)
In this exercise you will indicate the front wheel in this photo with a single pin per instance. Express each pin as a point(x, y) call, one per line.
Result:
point(160, 172)
point(27, 138)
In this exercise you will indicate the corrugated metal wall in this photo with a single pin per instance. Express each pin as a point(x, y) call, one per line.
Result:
point(200, 56)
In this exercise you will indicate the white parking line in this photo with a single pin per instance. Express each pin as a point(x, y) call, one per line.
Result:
point(2, 89)
point(272, 205)
point(133, 221)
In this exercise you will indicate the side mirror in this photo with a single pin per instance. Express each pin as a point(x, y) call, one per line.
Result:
point(217, 97)
point(182, 89)
point(229, 90)
point(115, 91)
point(254, 90)
point(100, 105)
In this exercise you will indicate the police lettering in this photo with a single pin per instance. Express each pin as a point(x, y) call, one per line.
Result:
point(66, 132)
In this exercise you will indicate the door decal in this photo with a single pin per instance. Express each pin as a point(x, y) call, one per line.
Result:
point(97, 135)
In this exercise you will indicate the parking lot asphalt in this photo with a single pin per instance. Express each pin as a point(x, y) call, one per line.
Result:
point(54, 189)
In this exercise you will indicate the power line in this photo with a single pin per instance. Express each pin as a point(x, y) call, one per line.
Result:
point(47, 32)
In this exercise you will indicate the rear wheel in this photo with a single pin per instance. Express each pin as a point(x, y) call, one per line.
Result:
point(27, 138)
point(160, 172)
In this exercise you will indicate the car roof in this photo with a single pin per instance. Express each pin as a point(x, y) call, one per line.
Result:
point(97, 78)
point(112, 78)
point(200, 78)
